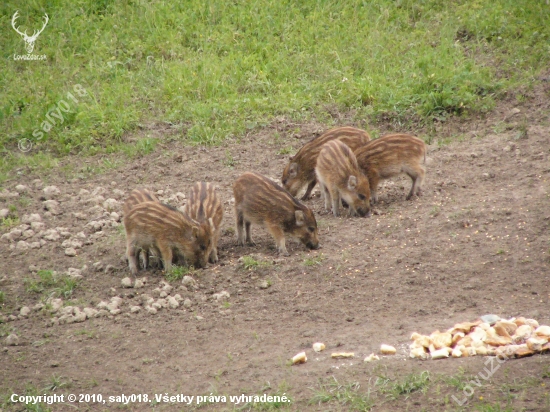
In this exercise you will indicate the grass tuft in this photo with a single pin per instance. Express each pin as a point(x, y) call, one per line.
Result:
point(251, 263)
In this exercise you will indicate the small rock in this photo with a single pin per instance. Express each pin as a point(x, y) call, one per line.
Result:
point(74, 273)
point(4, 213)
point(7, 195)
point(162, 302)
point(98, 266)
point(67, 310)
point(187, 303)
point(37, 226)
point(308, 333)
point(198, 317)
point(21, 188)
point(151, 310)
point(115, 216)
point(111, 205)
point(167, 288)
point(135, 309)
point(38, 307)
point(90, 312)
point(126, 282)
point(22, 246)
point(56, 304)
point(12, 340)
point(35, 245)
point(51, 191)
point(51, 234)
point(220, 296)
point(178, 297)
point(145, 298)
point(188, 281)
point(75, 244)
point(118, 194)
point(79, 216)
point(102, 313)
point(490, 319)
point(6, 237)
point(79, 316)
point(25, 311)
point(27, 234)
point(156, 292)
point(15, 234)
point(83, 193)
point(163, 294)
point(139, 283)
point(172, 302)
point(33, 217)
point(99, 191)
point(70, 252)
point(264, 284)
point(115, 311)
point(11, 318)
point(52, 206)
point(110, 269)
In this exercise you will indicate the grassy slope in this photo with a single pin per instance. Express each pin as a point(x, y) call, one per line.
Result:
point(219, 68)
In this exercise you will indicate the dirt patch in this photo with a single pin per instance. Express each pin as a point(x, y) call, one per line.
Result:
point(477, 242)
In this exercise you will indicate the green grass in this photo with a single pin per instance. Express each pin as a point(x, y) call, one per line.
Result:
point(404, 387)
point(315, 260)
point(49, 284)
point(250, 263)
point(2, 297)
point(349, 395)
point(177, 273)
point(219, 69)
point(9, 222)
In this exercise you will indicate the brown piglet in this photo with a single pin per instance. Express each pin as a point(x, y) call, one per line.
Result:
point(341, 179)
point(139, 196)
point(166, 229)
point(390, 156)
point(203, 203)
point(259, 200)
point(301, 168)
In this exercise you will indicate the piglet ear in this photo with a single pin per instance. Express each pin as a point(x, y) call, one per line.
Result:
point(352, 182)
point(300, 218)
point(293, 170)
point(195, 231)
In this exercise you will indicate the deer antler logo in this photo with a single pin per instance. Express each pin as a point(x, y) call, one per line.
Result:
point(29, 40)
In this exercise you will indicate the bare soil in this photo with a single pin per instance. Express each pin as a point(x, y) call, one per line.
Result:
point(477, 242)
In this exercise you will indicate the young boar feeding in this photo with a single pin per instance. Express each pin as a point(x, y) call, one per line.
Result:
point(301, 168)
point(390, 156)
point(139, 196)
point(202, 204)
point(159, 226)
point(259, 200)
point(340, 178)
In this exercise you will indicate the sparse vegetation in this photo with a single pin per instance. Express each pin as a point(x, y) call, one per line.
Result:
point(409, 384)
point(51, 284)
point(347, 395)
point(249, 263)
point(177, 273)
point(314, 260)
